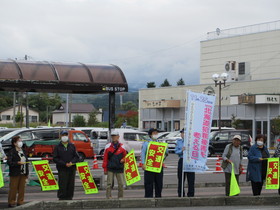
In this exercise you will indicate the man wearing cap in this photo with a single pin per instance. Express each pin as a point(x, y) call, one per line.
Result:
point(65, 156)
point(151, 178)
point(190, 175)
point(232, 154)
point(113, 164)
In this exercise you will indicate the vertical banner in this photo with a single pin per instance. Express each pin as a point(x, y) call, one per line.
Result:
point(45, 175)
point(131, 172)
point(86, 178)
point(199, 112)
point(1, 177)
point(234, 187)
point(155, 156)
point(272, 176)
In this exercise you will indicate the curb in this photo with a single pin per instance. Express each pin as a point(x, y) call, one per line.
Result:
point(153, 202)
point(137, 187)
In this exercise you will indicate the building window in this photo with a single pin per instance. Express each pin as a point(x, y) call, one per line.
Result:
point(6, 117)
point(241, 68)
point(34, 119)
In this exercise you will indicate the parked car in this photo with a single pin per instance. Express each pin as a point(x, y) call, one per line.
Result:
point(27, 134)
point(171, 139)
point(222, 128)
point(3, 132)
point(99, 139)
point(132, 139)
point(43, 148)
point(219, 139)
point(161, 136)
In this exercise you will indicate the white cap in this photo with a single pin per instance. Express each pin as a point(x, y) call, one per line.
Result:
point(115, 133)
point(237, 137)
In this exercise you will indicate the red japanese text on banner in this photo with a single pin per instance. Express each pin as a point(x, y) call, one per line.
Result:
point(155, 156)
point(130, 169)
point(86, 178)
point(272, 176)
point(45, 175)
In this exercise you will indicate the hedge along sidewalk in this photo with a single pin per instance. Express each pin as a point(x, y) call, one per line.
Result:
point(154, 202)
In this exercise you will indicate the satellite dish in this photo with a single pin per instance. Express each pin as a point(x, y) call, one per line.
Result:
point(218, 31)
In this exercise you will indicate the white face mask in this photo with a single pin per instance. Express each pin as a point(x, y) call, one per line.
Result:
point(259, 143)
point(154, 137)
point(19, 144)
point(64, 138)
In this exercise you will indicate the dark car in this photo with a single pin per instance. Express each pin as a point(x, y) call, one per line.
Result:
point(218, 140)
point(29, 135)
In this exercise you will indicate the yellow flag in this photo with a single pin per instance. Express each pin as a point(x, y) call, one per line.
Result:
point(272, 175)
point(234, 187)
point(155, 156)
point(45, 175)
point(131, 172)
point(1, 177)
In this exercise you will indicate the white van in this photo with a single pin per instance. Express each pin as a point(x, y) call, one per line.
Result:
point(132, 139)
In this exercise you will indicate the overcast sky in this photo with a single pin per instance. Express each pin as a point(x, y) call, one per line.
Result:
point(150, 40)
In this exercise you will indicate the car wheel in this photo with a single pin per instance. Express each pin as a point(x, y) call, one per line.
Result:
point(210, 152)
point(82, 156)
point(245, 152)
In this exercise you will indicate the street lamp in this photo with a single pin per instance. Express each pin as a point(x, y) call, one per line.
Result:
point(220, 80)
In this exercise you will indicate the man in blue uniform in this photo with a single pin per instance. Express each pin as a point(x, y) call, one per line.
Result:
point(151, 178)
point(190, 175)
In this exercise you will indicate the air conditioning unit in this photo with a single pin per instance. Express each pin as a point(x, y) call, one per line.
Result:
point(231, 69)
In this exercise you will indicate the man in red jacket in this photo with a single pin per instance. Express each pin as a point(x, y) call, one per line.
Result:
point(113, 164)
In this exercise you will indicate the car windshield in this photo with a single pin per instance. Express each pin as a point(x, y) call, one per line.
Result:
point(173, 134)
point(144, 136)
point(212, 134)
point(9, 135)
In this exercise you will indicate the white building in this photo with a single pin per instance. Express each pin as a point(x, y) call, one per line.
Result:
point(7, 115)
point(251, 94)
point(59, 116)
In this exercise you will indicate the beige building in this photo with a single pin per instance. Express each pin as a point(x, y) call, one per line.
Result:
point(246, 53)
point(7, 115)
point(251, 94)
point(59, 116)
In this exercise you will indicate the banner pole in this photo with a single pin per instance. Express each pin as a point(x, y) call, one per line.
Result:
point(183, 177)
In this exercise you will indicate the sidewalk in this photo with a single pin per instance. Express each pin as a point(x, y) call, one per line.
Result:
point(213, 195)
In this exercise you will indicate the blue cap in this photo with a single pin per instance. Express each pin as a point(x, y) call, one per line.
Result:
point(182, 131)
point(152, 130)
point(64, 132)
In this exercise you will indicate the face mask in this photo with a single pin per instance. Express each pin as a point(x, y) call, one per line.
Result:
point(19, 144)
point(154, 136)
point(64, 138)
point(259, 143)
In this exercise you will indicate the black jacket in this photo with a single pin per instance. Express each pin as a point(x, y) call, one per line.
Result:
point(13, 159)
point(63, 155)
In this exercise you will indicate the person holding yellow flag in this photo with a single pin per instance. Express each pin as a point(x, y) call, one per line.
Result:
point(277, 154)
point(18, 167)
point(232, 154)
point(65, 156)
point(151, 178)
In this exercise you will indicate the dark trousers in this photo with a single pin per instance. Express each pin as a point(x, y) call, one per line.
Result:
point(256, 187)
point(227, 179)
point(66, 182)
point(151, 178)
point(190, 178)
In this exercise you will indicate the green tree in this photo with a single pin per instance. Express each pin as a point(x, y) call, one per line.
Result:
point(180, 82)
point(130, 116)
point(44, 104)
point(129, 106)
point(165, 83)
point(19, 117)
point(151, 85)
point(275, 125)
point(79, 121)
point(234, 121)
point(92, 121)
